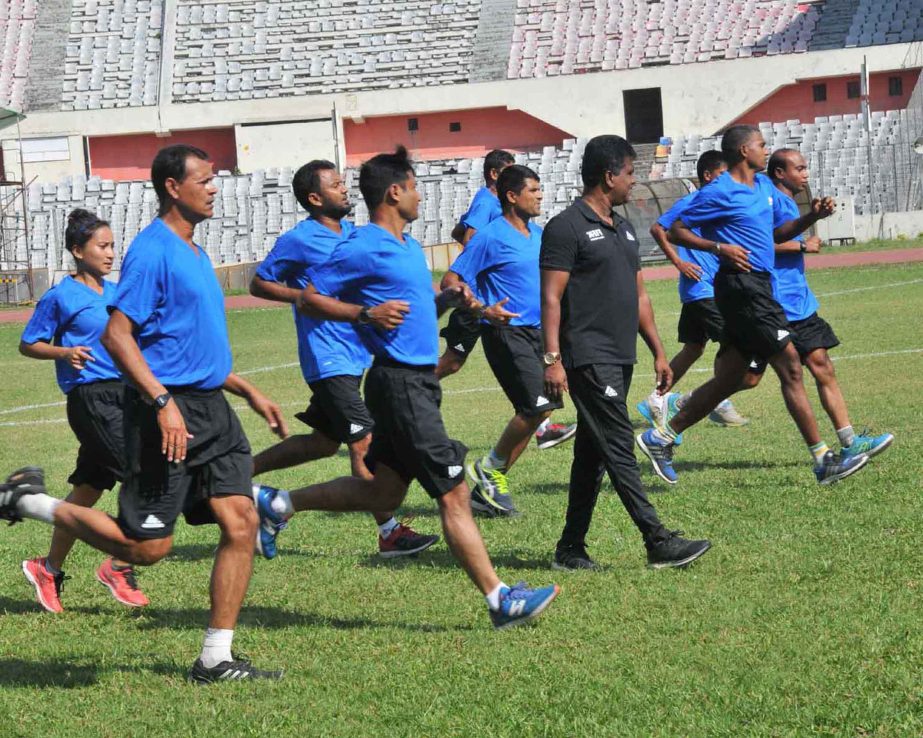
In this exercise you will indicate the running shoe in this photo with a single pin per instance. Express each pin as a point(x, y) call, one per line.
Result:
point(651, 409)
point(48, 586)
point(834, 468)
point(726, 414)
point(490, 492)
point(573, 558)
point(554, 435)
point(29, 480)
point(228, 671)
point(519, 604)
point(866, 444)
point(671, 407)
point(271, 523)
point(404, 541)
point(122, 583)
point(660, 454)
point(675, 551)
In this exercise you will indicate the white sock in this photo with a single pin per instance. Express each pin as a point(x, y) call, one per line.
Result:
point(385, 528)
point(217, 647)
point(493, 597)
point(818, 450)
point(282, 504)
point(846, 435)
point(682, 400)
point(665, 434)
point(544, 426)
point(38, 507)
point(493, 461)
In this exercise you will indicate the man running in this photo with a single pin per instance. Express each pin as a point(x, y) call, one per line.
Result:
point(331, 355)
point(735, 214)
point(594, 305)
point(186, 451)
point(700, 320)
point(501, 264)
point(379, 281)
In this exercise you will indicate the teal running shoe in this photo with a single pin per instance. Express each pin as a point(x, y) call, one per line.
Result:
point(866, 444)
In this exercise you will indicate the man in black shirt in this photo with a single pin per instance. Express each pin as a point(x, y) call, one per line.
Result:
point(594, 304)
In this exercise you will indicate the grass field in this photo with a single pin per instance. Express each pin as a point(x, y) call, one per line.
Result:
point(804, 619)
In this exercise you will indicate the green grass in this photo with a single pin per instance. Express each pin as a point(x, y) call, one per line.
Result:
point(804, 619)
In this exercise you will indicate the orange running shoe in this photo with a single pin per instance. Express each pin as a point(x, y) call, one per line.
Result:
point(122, 584)
point(48, 586)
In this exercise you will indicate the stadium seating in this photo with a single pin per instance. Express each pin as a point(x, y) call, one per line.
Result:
point(17, 25)
point(250, 49)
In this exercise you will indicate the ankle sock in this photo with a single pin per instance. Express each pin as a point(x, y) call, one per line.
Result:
point(282, 504)
point(493, 597)
point(51, 569)
point(846, 436)
point(817, 452)
point(386, 528)
point(217, 647)
point(493, 461)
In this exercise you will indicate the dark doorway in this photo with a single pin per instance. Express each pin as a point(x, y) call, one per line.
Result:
point(643, 115)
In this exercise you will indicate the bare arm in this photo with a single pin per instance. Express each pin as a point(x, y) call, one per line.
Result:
point(820, 209)
point(273, 291)
point(647, 327)
point(388, 315)
point(119, 340)
point(686, 268)
point(736, 256)
point(553, 285)
point(262, 405)
point(812, 245)
point(76, 356)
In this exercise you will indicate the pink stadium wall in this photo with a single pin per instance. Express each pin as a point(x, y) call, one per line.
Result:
point(797, 100)
point(129, 157)
point(481, 131)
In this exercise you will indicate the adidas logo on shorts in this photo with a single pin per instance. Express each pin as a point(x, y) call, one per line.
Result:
point(541, 400)
point(780, 334)
point(152, 522)
point(458, 347)
point(454, 471)
point(609, 392)
point(354, 428)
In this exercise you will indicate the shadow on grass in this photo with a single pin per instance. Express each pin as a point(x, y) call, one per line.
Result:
point(258, 616)
point(206, 552)
point(58, 673)
point(443, 559)
point(29, 606)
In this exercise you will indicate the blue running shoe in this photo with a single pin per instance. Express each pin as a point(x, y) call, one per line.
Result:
point(519, 604)
point(869, 445)
point(271, 523)
point(660, 454)
point(834, 468)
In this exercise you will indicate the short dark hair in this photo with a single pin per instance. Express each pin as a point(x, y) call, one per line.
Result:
point(170, 163)
point(733, 138)
point(81, 225)
point(382, 171)
point(513, 179)
point(307, 180)
point(496, 159)
point(779, 160)
point(604, 154)
point(709, 161)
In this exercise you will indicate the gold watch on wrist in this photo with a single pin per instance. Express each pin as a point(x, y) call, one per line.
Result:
point(550, 358)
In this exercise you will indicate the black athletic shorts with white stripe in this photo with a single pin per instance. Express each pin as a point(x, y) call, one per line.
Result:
point(514, 353)
point(462, 332)
point(95, 414)
point(336, 409)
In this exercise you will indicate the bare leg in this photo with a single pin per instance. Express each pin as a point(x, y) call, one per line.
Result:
point(516, 436)
point(62, 541)
point(688, 355)
point(788, 366)
point(238, 521)
point(357, 451)
point(464, 538)
point(383, 493)
point(828, 388)
point(449, 363)
point(293, 451)
point(730, 369)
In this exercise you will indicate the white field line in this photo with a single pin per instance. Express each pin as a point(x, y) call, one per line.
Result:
point(470, 390)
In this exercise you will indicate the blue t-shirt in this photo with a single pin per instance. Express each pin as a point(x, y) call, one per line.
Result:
point(484, 207)
point(169, 290)
point(372, 267)
point(326, 348)
point(689, 289)
point(72, 314)
point(499, 262)
point(788, 281)
point(733, 213)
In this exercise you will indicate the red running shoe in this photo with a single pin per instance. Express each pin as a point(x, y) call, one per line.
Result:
point(555, 434)
point(122, 584)
point(48, 586)
point(404, 541)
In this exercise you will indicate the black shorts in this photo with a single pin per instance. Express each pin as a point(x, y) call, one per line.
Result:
point(754, 323)
point(410, 436)
point(515, 356)
point(218, 463)
point(808, 335)
point(336, 409)
point(94, 412)
point(700, 322)
point(462, 333)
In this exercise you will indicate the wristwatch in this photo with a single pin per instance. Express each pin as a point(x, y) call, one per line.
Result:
point(804, 247)
point(551, 358)
point(363, 318)
point(160, 402)
point(716, 248)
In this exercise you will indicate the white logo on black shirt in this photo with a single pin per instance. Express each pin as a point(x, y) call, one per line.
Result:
point(629, 235)
point(609, 392)
point(595, 235)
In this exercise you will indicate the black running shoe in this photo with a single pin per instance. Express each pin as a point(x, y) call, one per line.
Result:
point(675, 551)
point(573, 558)
point(29, 480)
point(228, 671)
